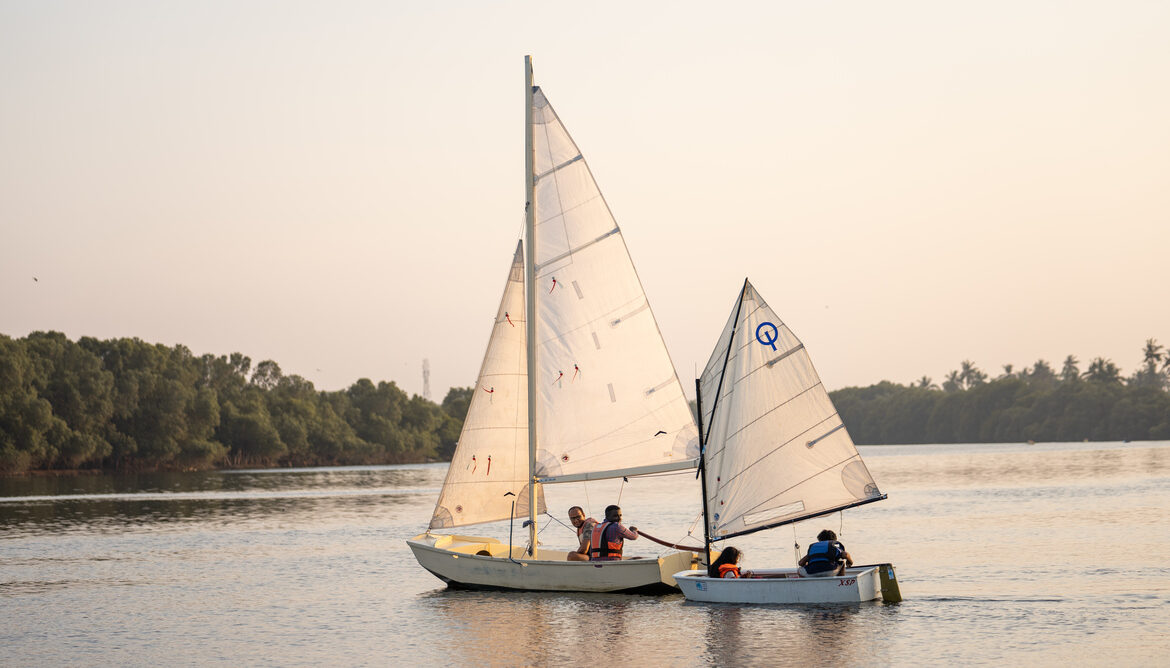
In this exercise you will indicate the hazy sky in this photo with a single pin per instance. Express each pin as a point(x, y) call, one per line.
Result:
point(338, 186)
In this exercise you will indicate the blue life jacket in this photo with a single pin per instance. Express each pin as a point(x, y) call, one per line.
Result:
point(824, 556)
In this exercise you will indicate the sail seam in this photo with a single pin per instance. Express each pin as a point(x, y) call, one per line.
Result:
point(777, 448)
point(633, 444)
point(801, 482)
point(606, 318)
point(774, 409)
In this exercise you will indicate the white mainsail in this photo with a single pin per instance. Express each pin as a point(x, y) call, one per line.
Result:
point(776, 450)
point(492, 456)
point(608, 399)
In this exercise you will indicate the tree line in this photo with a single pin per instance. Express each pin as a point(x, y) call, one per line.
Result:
point(1037, 403)
point(123, 404)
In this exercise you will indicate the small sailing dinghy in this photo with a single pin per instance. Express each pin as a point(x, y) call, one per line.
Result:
point(774, 452)
point(582, 390)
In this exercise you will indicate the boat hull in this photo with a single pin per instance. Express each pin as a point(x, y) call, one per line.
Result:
point(781, 586)
point(473, 562)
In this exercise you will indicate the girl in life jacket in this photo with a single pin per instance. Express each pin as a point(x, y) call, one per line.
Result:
point(727, 565)
point(826, 556)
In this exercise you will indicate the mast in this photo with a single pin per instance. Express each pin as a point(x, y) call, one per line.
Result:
point(530, 303)
point(714, 405)
point(703, 471)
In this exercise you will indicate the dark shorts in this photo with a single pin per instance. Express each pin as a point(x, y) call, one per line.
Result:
point(815, 570)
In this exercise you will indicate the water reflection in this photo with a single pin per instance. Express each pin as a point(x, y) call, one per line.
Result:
point(310, 567)
point(225, 481)
point(160, 502)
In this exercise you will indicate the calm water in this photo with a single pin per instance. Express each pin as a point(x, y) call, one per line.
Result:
point(1007, 554)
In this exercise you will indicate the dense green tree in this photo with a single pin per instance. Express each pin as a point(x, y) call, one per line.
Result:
point(124, 403)
point(80, 391)
point(455, 406)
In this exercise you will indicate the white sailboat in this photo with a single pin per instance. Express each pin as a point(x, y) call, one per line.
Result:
point(775, 452)
point(584, 390)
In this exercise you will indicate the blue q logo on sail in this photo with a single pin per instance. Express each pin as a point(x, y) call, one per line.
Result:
point(766, 337)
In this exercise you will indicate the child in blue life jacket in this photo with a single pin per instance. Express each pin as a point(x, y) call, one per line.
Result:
point(826, 557)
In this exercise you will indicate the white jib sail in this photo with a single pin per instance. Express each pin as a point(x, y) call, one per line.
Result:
point(608, 395)
point(776, 450)
point(492, 456)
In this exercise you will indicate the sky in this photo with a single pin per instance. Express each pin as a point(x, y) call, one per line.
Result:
point(339, 186)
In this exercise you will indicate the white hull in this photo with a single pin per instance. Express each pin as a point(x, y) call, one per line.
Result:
point(783, 586)
point(472, 562)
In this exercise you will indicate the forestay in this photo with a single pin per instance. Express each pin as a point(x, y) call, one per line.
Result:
point(492, 457)
point(608, 398)
point(776, 450)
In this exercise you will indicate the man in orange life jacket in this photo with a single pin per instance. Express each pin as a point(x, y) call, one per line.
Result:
point(585, 527)
point(609, 536)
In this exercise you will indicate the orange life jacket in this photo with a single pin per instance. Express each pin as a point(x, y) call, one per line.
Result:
point(603, 547)
point(729, 571)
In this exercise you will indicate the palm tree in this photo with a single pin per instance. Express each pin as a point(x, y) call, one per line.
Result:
point(1152, 353)
point(952, 383)
point(971, 375)
point(1070, 372)
point(925, 383)
point(1102, 370)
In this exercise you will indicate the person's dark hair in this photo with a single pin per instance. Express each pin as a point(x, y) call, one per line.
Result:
point(611, 513)
point(577, 508)
point(730, 555)
point(827, 534)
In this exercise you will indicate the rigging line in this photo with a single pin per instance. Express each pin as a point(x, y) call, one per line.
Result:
point(795, 543)
point(554, 518)
point(676, 546)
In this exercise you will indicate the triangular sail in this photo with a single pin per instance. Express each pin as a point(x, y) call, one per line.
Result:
point(608, 397)
point(492, 456)
point(776, 450)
